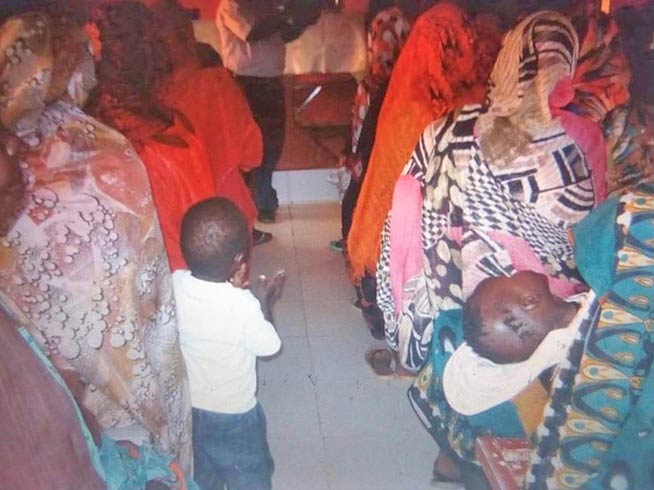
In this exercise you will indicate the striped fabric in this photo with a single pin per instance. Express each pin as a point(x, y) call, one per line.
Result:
point(537, 54)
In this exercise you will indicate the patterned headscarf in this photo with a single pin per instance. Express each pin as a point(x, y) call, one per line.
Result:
point(388, 33)
point(601, 81)
point(26, 64)
point(536, 55)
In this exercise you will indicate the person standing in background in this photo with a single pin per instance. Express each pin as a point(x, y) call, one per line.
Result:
point(252, 36)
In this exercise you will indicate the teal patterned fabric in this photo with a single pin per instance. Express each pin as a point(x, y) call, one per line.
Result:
point(456, 433)
point(94, 454)
point(596, 233)
point(112, 462)
point(599, 428)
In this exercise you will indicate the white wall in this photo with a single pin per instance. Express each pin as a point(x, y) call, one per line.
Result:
point(297, 186)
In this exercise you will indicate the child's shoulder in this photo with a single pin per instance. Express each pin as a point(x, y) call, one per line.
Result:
point(183, 280)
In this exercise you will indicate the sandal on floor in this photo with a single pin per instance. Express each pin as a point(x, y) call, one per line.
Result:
point(380, 362)
point(260, 237)
point(383, 364)
point(337, 245)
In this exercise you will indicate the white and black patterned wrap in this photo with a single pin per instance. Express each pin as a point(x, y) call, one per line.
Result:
point(538, 53)
point(468, 197)
point(537, 200)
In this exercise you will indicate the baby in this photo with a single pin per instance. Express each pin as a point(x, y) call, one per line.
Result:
point(223, 328)
point(514, 330)
point(507, 318)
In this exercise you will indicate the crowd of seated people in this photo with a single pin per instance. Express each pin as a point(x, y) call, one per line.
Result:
point(498, 230)
point(512, 187)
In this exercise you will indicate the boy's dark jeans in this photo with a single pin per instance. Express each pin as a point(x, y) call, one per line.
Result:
point(231, 450)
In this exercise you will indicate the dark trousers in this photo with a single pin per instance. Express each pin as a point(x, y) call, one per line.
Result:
point(347, 206)
point(266, 99)
point(231, 450)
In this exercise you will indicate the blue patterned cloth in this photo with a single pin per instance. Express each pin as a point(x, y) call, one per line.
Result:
point(599, 428)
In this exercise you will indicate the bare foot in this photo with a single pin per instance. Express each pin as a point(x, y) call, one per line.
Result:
point(446, 469)
point(401, 371)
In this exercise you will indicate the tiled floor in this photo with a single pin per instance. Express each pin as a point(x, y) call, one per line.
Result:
point(331, 423)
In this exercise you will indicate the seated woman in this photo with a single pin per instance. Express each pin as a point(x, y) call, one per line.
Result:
point(133, 64)
point(84, 268)
point(387, 32)
point(443, 65)
point(216, 107)
point(491, 192)
point(630, 129)
point(389, 29)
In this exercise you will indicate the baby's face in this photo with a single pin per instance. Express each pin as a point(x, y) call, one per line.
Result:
point(517, 313)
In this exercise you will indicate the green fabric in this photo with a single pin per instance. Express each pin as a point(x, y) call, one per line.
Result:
point(454, 432)
point(595, 244)
point(112, 462)
point(127, 473)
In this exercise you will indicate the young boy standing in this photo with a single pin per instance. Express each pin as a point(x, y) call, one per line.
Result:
point(223, 328)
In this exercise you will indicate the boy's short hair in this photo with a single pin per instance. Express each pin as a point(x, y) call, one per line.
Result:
point(214, 232)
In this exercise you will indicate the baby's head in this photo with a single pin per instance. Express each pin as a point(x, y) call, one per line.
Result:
point(506, 318)
point(215, 239)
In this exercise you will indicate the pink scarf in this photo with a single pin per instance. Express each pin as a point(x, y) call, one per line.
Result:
point(584, 132)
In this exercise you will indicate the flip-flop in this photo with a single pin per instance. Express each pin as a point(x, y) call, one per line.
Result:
point(380, 362)
point(337, 245)
point(260, 237)
point(383, 364)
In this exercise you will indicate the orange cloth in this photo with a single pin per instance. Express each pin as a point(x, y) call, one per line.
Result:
point(442, 66)
point(179, 177)
point(216, 107)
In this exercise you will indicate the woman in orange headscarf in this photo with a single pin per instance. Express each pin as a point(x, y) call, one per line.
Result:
point(443, 65)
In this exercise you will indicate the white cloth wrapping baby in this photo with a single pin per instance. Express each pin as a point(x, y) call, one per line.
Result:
point(474, 384)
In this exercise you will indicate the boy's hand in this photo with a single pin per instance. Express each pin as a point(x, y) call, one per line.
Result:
point(240, 277)
point(270, 288)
